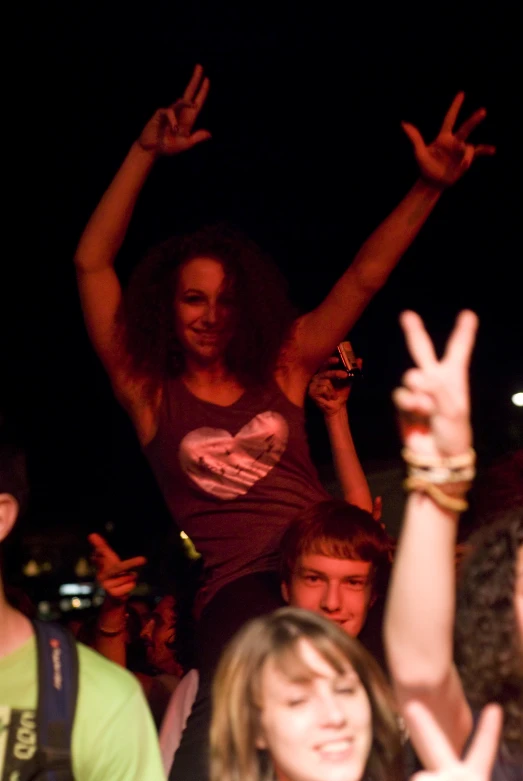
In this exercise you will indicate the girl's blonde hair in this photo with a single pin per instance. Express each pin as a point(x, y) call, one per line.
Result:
point(237, 693)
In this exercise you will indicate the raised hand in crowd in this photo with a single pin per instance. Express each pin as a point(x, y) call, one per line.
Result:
point(434, 414)
point(118, 579)
point(479, 759)
point(170, 130)
point(116, 576)
point(330, 390)
point(446, 159)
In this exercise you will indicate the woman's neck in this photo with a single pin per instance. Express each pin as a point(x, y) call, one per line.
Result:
point(198, 375)
point(214, 384)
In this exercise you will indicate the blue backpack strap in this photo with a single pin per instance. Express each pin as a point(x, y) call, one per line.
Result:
point(57, 695)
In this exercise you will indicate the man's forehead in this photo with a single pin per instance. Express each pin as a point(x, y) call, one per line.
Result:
point(332, 566)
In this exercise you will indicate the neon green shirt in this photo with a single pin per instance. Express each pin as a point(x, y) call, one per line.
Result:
point(113, 735)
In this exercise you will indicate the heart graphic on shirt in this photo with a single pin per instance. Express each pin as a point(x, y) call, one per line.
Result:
point(227, 466)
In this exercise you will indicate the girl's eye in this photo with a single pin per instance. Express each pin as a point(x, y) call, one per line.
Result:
point(311, 579)
point(192, 299)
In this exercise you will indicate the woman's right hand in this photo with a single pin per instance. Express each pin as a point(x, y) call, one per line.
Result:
point(331, 397)
point(169, 131)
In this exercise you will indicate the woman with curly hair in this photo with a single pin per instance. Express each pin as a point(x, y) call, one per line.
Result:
point(210, 361)
point(212, 365)
point(434, 409)
point(297, 699)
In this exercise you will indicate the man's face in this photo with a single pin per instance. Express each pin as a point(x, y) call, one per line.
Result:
point(338, 589)
point(158, 634)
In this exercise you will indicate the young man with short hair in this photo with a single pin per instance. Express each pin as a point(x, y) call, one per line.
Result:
point(335, 561)
point(113, 735)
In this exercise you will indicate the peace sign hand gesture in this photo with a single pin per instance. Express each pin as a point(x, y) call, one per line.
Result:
point(434, 403)
point(480, 758)
point(169, 131)
point(444, 161)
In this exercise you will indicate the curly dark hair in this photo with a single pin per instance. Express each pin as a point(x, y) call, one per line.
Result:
point(264, 315)
point(489, 646)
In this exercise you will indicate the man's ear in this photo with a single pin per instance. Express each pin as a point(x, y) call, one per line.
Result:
point(8, 514)
point(285, 591)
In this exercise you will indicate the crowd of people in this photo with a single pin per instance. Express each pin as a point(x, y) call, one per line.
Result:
point(323, 649)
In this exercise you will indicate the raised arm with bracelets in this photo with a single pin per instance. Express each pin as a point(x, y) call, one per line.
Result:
point(434, 413)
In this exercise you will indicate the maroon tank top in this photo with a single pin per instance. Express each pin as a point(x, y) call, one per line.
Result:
point(233, 477)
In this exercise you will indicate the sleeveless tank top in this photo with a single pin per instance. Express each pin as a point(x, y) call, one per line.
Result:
point(233, 477)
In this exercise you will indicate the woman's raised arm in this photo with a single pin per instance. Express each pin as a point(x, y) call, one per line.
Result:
point(168, 132)
point(441, 164)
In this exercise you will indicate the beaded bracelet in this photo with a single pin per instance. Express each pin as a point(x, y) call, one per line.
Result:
point(427, 473)
point(113, 632)
point(453, 503)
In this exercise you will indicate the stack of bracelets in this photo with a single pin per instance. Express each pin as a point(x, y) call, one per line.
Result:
point(445, 479)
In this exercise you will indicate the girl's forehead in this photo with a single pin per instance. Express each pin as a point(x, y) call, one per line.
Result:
point(304, 662)
point(202, 274)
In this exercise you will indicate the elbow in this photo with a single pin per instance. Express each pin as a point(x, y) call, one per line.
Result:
point(416, 674)
point(414, 667)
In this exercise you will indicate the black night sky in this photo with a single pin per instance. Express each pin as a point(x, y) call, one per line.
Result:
point(307, 156)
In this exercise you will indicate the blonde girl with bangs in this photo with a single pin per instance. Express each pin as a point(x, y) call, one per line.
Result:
point(297, 699)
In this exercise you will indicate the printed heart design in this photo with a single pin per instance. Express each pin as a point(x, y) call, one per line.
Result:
point(227, 466)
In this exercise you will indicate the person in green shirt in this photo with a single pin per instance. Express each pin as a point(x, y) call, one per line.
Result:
point(113, 735)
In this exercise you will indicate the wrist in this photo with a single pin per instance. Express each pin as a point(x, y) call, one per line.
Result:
point(110, 627)
point(143, 154)
point(336, 416)
point(429, 187)
point(445, 479)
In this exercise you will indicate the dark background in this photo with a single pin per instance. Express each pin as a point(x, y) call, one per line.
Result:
point(307, 156)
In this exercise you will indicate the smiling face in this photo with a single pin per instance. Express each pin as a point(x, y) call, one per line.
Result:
point(318, 728)
point(158, 634)
point(337, 589)
point(203, 310)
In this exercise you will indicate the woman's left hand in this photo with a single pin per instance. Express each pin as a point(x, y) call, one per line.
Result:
point(444, 161)
point(329, 397)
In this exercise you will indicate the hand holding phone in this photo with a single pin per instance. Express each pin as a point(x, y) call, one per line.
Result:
point(349, 363)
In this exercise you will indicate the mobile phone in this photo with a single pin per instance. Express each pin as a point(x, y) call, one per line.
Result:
point(348, 360)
